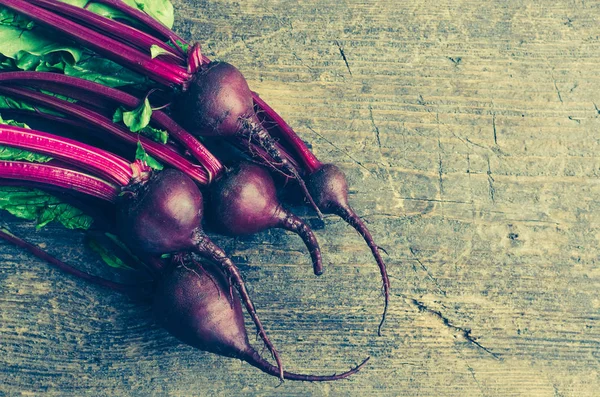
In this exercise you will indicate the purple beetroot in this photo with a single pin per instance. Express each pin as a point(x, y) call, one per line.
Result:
point(194, 304)
point(245, 201)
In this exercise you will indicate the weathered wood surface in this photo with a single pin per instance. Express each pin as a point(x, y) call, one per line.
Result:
point(470, 134)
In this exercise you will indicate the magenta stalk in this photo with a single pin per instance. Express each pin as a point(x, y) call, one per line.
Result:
point(99, 162)
point(59, 177)
point(159, 151)
point(89, 92)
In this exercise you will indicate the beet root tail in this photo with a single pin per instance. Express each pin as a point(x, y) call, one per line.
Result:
point(296, 225)
point(347, 214)
point(254, 359)
point(206, 248)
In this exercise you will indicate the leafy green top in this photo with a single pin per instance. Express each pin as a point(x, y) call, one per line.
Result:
point(26, 46)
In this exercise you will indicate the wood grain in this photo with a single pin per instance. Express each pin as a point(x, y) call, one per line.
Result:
point(469, 132)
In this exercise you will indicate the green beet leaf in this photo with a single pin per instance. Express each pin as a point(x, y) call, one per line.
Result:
point(156, 51)
point(41, 207)
point(140, 154)
point(138, 120)
point(107, 255)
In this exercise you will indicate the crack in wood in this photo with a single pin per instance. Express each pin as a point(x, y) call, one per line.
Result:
point(340, 149)
point(464, 332)
point(426, 270)
point(343, 56)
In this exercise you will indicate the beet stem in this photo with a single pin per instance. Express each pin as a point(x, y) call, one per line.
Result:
point(43, 255)
point(296, 225)
point(110, 27)
point(101, 163)
point(210, 250)
point(157, 69)
point(89, 91)
point(253, 358)
point(157, 150)
point(194, 58)
point(59, 177)
point(354, 220)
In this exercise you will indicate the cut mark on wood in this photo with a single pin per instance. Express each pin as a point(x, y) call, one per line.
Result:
point(473, 211)
point(397, 195)
point(472, 371)
point(302, 61)
point(440, 165)
point(464, 332)
point(343, 56)
point(340, 149)
point(492, 190)
point(456, 61)
point(375, 127)
point(557, 90)
point(426, 270)
point(554, 81)
point(494, 126)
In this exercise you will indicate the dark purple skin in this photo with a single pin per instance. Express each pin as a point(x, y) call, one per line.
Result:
point(329, 188)
point(218, 102)
point(245, 202)
point(193, 302)
point(163, 215)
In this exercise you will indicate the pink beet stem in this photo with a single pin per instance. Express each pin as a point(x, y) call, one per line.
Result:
point(59, 177)
point(100, 162)
point(159, 151)
point(89, 91)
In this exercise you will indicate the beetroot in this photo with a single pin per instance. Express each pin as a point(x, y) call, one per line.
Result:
point(329, 187)
point(194, 304)
point(245, 202)
point(218, 102)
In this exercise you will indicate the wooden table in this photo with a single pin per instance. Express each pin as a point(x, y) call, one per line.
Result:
point(469, 131)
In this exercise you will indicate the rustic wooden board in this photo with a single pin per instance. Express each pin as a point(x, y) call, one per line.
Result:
point(469, 131)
